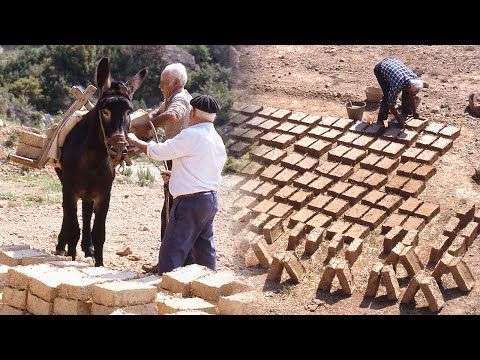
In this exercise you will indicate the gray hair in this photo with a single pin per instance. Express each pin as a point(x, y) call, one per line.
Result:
point(415, 84)
point(177, 71)
point(205, 115)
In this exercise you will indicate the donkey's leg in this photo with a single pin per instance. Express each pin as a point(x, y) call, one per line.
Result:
point(87, 211)
point(98, 232)
point(70, 232)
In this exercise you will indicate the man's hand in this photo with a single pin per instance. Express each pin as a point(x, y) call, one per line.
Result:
point(142, 130)
point(132, 139)
point(166, 176)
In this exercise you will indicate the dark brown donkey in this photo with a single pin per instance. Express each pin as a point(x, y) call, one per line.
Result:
point(89, 155)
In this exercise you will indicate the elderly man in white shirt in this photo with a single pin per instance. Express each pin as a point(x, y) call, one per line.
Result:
point(198, 155)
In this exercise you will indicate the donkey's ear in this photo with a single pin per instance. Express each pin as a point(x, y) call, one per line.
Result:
point(134, 83)
point(103, 75)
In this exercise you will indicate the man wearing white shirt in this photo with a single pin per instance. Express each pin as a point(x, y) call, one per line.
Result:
point(198, 156)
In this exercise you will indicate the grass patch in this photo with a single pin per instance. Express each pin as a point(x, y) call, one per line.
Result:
point(49, 187)
point(145, 177)
point(8, 196)
point(233, 164)
point(12, 140)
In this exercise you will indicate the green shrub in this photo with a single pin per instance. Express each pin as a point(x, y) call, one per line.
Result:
point(145, 177)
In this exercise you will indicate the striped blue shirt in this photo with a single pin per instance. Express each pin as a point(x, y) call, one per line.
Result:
point(397, 75)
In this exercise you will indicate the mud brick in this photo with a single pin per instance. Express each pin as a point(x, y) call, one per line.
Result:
point(393, 237)
point(308, 163)
point(16, 298)
point(311, 120)
point(300, 198)
point(268, 138)
point(354, 250)
point(297, 117)
point(409, 206)
point(326, 167)
point(272, 230)
point(257, 152)
point(477, 217)
point(356, 231)
point(297, 233)
point(412, 289)
point(319, 220)
point(451, 132)
point(281, 210)
point(425, 141)
point(260, 248)
point(327, 277)
point(338, 227)
point(359, 176)
point(285, 127)
point(238, 119)
point(280, 114)
point(328, 121)
point(427, 157)
point(283, 141)
point(374, 280)
point(439, 247)
point(391, 133)
point(250, 186)
point(353, 156)
point(354, 194)
point(319, 202)
point(331, 135)
point(240, 148)
point(342, 124)
point(470, 233)
point(268, 125)
point(355, 213)
point(244, 202)
point(394, 256)
point(237, 132)
point(276, 267)
point(305, 179)
point(253, 169)
point(348, 138)
point(390, 281)
point(293, 266)
point(255, 122)
point(375, 181)
point(267, 111)
point(338, 188)
point(369, 162)
point(341, 172)
point(462, 275)
point(408, 168)
point(412, 187)
point(292, 159)
point(378, 146)
point(265, 191)
point(416, 124)
point(319, 147)
point(394, 219)
point(373, 197)
point(411, 154)
point(318, 131)
point(458, 246)
point(303, 144)
point(319, 185)
point(414, 223)
point(466, 214)
point(389, 203)
point(407, 137)
point(285, 177)
point(251, 109)
point(337, 152)
point(299, 131)
point(432, 293)
point(373, 218)
point(274, 156)
point(334, 246)
point(373, 129)
point(237, 304)
point(303, 215)
point(363, 142)
point(393, 150)
point(264, 206)
point(424, 172)
point(434, 128)
point(410, 238)
point(284, 193)
point(345, 277)
point(243, 215)
point(452, 227)
point(427, 211)
point(395, 184)
point(238, 106)
point(314, 238)
point(359, 126)
point(270, 172)
point(228, 140)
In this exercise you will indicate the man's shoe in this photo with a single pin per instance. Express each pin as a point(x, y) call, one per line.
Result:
point(150, 268)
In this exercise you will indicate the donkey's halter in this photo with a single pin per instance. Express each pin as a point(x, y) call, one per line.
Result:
point(118, 155)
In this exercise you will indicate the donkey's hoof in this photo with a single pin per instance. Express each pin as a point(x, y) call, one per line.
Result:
point(89, 252)
point(59, 252)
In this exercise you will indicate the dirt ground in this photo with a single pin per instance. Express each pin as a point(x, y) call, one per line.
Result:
point(316, 80)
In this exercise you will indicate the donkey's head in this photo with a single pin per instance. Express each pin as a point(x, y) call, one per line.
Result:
point(114, 107)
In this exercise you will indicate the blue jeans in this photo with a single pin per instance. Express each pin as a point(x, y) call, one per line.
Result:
point(190, 227)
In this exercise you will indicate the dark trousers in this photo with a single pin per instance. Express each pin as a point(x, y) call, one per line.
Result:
point(384, 84)
point(163, 224)
point(190, 228)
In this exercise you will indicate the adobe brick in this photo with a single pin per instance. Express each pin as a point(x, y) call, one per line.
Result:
point(257, 152)
point(426, 140)
point(410, 205)
point(319, 147)
point(386, 165)
point(356, 231)
point(424, 172)
point(462, 275)
point(375, 181)
point(327, 277)
point(297, 116)
point(250, 186)
point(477, 217)
point(391, 133)
point(303, 215)
point(412, 289)
point(259, 222)
point(268, 125)
point(427, 157)
point(328, 121)
point(344, 276)
point(470, 233)
point(281, 210)
point(393, 150)
point(390, 281)
point(374, 280)
point(452, 227)
point(355, 213)
point(336, 208)
point(372, 218)
point(305, 179)
point(251, 136)
point(354, 194)
point(394, 255)
point(450, 132)
point(311, 120)
point(270, 172)
point(393, 237)
point(414, 223)
point(378, 146)
point(337, 152)
point(285, 177)
point(265, 191)
point(412, 187)
point(292, 159)
point(299, 131)
point(439, 247)
point(395, 184)
point(373, 197)
point(416, 124)
point(293, 266)
point(394, 219)
point(411, 238)
point(326, 167)
point(296, 234)
point(342, 124)
point(410, 261)
point(284, 193)
point(237, 132)
point(335, 245)
point(411, 154)
point(238, 119)
point(318, 130)
point(432, 293)
point(427, 211)
point(276, 267)
point(280, 114)
point(354, 250)
point(267, 111)
point(442, 266)
point(260, 248)
point(338, 188)
point(338, 227)
point(407, 137)
point(283, 141)
point(466, 213)
point(363, 142)
point(348, 138)
point(272, 230)
point(253, 169)
point(369, 162)
point(255, 122)
point(264, 206)
point(314, 238)
point(319, 220)
point(331, 135)
point(319, 202)
point(274, 156)
point(340, 172)
point(442, 145)
point(306, 164)
point(408, 168)
point(303, 144)
point(319, 185)
point(286, 127)
point(359, 176)
point(251, 109)
point(353, 156)
point(434, 128)
point(300, 198)
point(389, 203)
